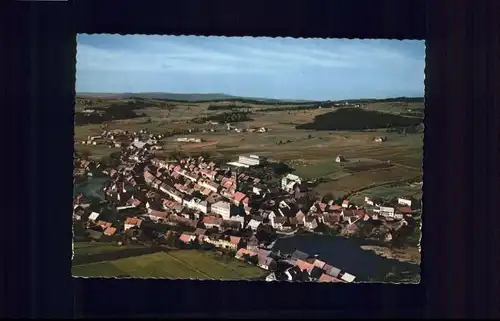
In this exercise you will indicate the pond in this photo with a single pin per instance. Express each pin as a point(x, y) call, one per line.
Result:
point(347, 255)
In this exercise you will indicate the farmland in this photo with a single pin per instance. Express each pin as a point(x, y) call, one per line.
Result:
point(309, 152)
point(89, 248)
point(183, 264)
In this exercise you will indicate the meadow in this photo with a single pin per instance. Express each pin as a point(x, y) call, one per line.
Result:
point(183, 264)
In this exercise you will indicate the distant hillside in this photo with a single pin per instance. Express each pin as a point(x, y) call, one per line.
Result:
point(384, 100)
point(359, 119)
point(185, 97)
point(217, 97)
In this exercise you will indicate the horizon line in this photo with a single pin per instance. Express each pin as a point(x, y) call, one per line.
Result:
point(246, 97)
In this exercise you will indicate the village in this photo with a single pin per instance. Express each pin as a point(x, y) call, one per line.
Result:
point(240, 207)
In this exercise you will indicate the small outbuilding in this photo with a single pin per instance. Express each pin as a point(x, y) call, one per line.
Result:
point(340, 159)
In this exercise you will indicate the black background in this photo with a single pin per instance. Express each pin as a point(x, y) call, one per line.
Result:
point(461, 175)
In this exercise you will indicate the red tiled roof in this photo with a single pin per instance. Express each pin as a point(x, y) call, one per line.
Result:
point(405, 210)
point(110, 231)
point(303, 265)
point(212, 220)
point(186, 238)
point(133, 221)
point(345, 202)
point(327, 278)
point(235, 239)
point(158, 214)
point(244, 251)
point(318, 263)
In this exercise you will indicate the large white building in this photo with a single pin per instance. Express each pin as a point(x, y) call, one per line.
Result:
point(404, 201)
point(289, 182)
point(386, 211)
point(251, 160)
point(197, 204)
point(222, 208)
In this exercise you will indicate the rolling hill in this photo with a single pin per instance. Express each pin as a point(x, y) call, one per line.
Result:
point(183, 97)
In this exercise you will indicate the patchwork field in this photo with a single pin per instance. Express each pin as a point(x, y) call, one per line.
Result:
point(183, 264)
point(311, 153)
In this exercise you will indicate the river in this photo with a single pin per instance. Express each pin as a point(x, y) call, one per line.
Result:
point(347, 255)
point(91, 188)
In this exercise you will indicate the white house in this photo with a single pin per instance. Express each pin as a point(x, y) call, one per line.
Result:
point(222, 208)
point(345, 204)
point(256, 190)
point(348, 277)
point(310, 223)
point(273, 215)
point(253, 224)
point(404, 201)
point(271, 277)
point(386, 211)
point(289, 182)
point(251, 160)
point(197, 204)
point(277, 222)
point(340, 159)
point(211, 186)
point(93, 216)
point(368, 201)
point(398, 216)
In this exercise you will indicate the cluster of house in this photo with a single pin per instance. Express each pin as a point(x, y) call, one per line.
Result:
point(211, 199)
point(201, 192)
point(119, 138)
point(230, 127)
point(308, 268)
point(189, 140)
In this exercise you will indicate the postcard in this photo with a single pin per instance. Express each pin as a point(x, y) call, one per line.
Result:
point(247, 158)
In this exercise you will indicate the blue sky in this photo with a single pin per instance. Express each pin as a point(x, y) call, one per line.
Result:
point(286, 68)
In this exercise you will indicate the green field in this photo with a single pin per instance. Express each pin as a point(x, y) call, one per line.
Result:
point(91, 248)
point(316, 170)
point(388, 192)
point(179, 265)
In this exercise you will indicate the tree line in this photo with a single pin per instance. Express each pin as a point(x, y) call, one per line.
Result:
point(226, 107)
point(358, 119)
point(232, 117)
point(115, 111)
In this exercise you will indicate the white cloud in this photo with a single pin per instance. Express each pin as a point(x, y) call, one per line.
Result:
point(161, 55)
